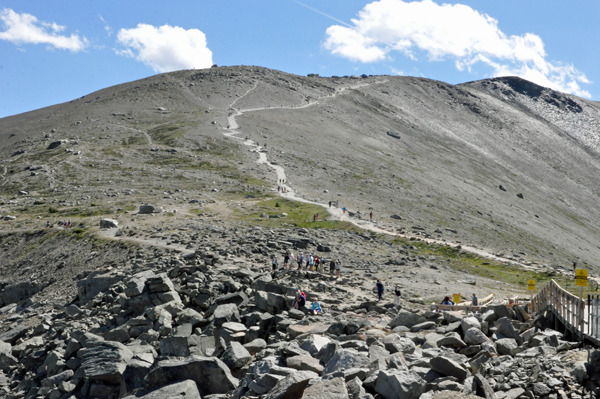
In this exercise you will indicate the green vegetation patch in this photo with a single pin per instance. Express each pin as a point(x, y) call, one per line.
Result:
point(483, 267)
point(299, 214)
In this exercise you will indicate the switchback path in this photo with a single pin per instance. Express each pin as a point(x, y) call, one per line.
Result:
point(336, 213)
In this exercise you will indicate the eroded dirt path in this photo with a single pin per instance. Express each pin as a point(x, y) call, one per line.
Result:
point(287, 190)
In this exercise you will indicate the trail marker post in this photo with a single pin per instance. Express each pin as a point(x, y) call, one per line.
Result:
point(531, 288)
point(581, 281)
point(456, 298)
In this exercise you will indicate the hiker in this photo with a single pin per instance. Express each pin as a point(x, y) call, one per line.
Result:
point(299, 301)
point(311, 262)
point(575, 268)
point(300, 260)
point(447, 301)
point(331, 267)
point(474, 300)
point(371, 216)
point(317, 262)
point(314, 217)
point(317, 216)
point(397, 294)
point(48, 223)
point(278, 188)
point(338, 268)
point(322, 264)
point(330, 204)
point(316, 306)
point(379, 286)
point(344, 210)
point(308, 259)
point(274, 263)
point(286, 258)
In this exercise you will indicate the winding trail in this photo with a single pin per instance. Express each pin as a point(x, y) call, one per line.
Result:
point(337, 213)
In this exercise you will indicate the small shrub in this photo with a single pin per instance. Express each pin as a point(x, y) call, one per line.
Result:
point(277, 205)
point(52, 210)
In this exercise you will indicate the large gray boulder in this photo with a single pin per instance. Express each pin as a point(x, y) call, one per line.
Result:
point(407, 319)
point(452, 339)
point(149, 209)
point(236, 356)
point(474, 336)
point(104, 360)
point(506, 328)
point(225, 313)
point(292, 386)
point(334, 388)
point(345, 359)
point(210, 374)
point(18, 292)
point(93, 285)
point(468, 323)
point(395, 343)
point(399, 385)
point(506, 346)
point(184, 389)
point(270, 302)
point(449, 367)
point(107, 223)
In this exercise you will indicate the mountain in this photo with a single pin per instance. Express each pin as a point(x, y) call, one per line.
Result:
point(501, 164)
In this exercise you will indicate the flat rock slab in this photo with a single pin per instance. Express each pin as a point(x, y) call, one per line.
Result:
point(305, 363)
point(296, 330)
point(328, 389)
point(210, 374)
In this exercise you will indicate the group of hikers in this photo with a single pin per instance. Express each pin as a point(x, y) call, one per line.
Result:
point(64, 223)
point(300, 303)
point(448, 301)
point(316, 308)
point(308, 262)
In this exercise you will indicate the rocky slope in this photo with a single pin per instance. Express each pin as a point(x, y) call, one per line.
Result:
point(507, 165)
point(179, 299)
point(204, 326)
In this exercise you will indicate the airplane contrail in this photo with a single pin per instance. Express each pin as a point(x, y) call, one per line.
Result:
point(322, 13)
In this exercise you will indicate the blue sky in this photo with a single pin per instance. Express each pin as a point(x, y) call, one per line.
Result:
point(52, 52)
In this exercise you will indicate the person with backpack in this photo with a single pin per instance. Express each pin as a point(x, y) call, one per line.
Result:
point(274, 263)
point(299, 301)
point(398, 294)
point(331, 267)
point(300, 260)
point(379, 286)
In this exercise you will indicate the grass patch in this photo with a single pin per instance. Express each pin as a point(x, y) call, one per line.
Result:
point(298, 214)
point(494, 270)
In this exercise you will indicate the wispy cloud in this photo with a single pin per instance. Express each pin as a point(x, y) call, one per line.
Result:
point(166, 48)
point(455, 32)
point(107, 27)
point(27, 29)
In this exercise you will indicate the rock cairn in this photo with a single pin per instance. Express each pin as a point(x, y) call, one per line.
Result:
point(200, 327)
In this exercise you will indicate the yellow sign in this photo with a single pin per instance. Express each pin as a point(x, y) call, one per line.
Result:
point(456, 298)
point(531, 285)
point(581, 277)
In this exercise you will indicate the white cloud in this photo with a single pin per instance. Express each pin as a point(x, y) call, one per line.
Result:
point(449, 31)
point(25, 28)
point(166, 48)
